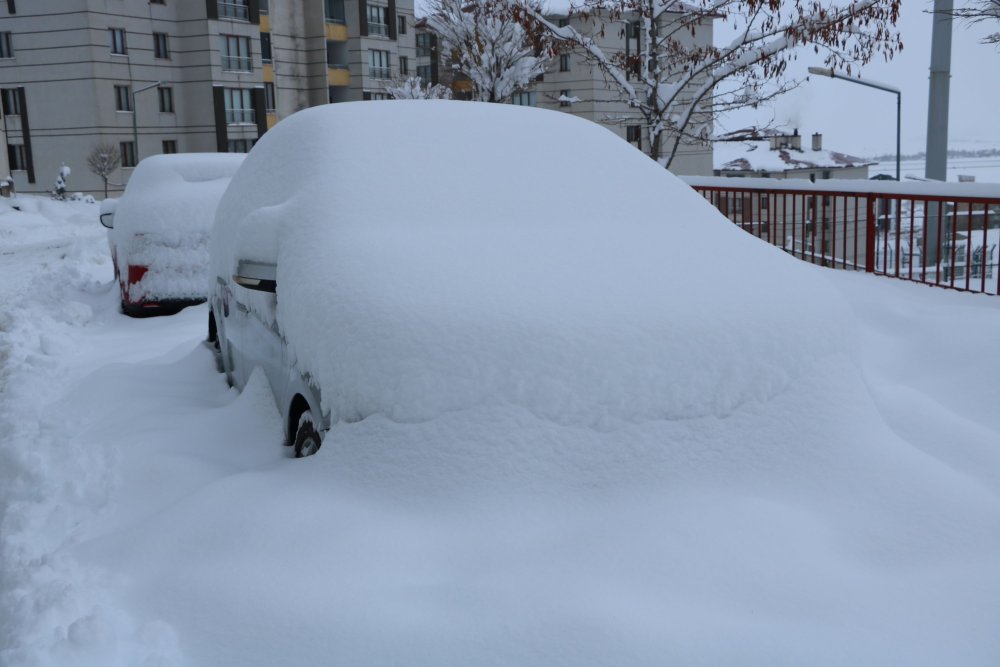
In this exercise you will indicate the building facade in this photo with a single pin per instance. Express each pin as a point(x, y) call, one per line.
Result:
point(162, 76)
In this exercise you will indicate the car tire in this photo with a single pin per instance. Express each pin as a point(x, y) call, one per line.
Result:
point(307, 438)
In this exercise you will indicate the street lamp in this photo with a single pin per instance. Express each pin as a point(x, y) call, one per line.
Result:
point(826, 71)
point(135, 111)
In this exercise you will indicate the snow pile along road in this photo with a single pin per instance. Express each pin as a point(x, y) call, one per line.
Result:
point(150, 515)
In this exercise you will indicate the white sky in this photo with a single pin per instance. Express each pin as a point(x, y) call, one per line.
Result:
point(860, 120)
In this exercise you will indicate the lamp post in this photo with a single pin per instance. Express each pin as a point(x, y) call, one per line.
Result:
point(826, 71)
point(135, 111)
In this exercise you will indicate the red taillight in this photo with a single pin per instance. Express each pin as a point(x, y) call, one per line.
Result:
point(135, 273)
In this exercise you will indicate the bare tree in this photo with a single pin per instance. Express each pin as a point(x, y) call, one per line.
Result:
point(980, 11)
point(413, 88)
point(680, 83)
point(102, 161)
point(484, 40)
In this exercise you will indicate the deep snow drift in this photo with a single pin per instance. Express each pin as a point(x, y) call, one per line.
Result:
point(850, 515)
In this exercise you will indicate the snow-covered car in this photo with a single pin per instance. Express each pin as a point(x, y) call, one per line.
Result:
point(158, 230)
point(411, 259)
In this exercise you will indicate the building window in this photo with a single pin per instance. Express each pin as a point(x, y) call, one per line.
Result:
point(128, 153)
point(11, 102)
point(333, 10)
point(375, 96)
point(234, 9)
point(565, 98)
point(378, 64)
point(826, 174)
point(6, 45)
point(169, 146)
point(166, 99)
point(401, 25)
point(404, 66)
point(424, 45)
point(269, 103)
point(240, 145)
point(377, 21)
point(564, 62)
point(156, 2)
point(118, 45)
point(525, 99)
point(562, 23)
point(239, 107)
point(160, 48)
point(263, 6)
point(235, 51)
point(425, 72)
point(17, 157)
point(265, 47)
point(336, 54)
point(123, 98)
point(633, 134)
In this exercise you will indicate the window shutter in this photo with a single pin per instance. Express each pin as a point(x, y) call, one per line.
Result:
point(26, 134)
point(363, 17)
point(221, 134)
point(260, 111)
point(390, 18)
point(212, 9)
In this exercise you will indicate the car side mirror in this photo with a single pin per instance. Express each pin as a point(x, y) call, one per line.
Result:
point(107, 215)
point(259, 276)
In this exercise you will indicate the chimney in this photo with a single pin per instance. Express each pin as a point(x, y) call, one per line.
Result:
point(795, 141)
point(817, 141)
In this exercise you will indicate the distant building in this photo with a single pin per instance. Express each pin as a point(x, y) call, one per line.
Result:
point(782, 156)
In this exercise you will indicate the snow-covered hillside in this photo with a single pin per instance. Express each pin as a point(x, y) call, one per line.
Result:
point(150, 515)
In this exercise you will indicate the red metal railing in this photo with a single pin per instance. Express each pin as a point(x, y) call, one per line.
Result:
point(942, 234)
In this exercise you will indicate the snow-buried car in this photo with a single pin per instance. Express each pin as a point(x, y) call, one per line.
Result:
point(415, 258)
point(158, 230)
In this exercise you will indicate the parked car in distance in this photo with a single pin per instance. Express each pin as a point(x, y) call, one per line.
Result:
point(158, 230)
point(413, 259)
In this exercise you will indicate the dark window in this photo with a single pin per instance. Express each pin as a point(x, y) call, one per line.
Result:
point(6, 45)
point(425, 72)
point(377, 24)
point(169, 146)
point(564, 62)
point(235, 52)
point(156, 2)
point(123, 98)
point(160, 47)
point(333, 10)
point(239, 107)
point(269, 102)
point(336, 54)
point(118, 41)
point(166, 99)
point(128, 153)
point(17, 157)
point(11, 102)
point(401, 25)
point(423, 44)
point(562, 23)
point(565, 98)
point(633, 133)
point(826, 174)
point(265, 47)
point(404, 66)
point(263, 7)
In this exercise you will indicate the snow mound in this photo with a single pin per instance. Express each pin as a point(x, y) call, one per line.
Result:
point(513, 256)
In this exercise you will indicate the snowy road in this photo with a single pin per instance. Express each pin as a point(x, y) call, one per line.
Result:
point(149, 515)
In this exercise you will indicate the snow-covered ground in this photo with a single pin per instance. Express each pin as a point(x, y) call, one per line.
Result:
point(150, 517)
point(983, 169)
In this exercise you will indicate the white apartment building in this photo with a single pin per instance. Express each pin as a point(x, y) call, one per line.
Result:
point(161, 76)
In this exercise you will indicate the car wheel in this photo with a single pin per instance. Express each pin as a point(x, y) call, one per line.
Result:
point(307, 440)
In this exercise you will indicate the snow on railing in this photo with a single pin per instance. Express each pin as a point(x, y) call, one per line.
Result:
point(943, 234)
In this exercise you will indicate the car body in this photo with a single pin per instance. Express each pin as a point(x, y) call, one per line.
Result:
point(412, 259)
point(158, 230)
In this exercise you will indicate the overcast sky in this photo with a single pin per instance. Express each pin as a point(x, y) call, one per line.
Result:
point(862, 121)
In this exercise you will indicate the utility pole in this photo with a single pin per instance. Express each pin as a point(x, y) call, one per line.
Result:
point(936, 165)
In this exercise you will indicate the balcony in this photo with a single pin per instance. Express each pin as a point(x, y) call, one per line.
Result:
point(380, 29)
point(379, 73)
point(234, 10)
point(240, 117)
point(237, 63)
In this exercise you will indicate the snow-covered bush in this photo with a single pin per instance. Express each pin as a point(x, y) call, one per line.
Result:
point(59, 192)
point(414, 88)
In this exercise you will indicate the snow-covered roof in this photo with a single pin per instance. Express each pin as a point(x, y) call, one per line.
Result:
point(759, 157)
